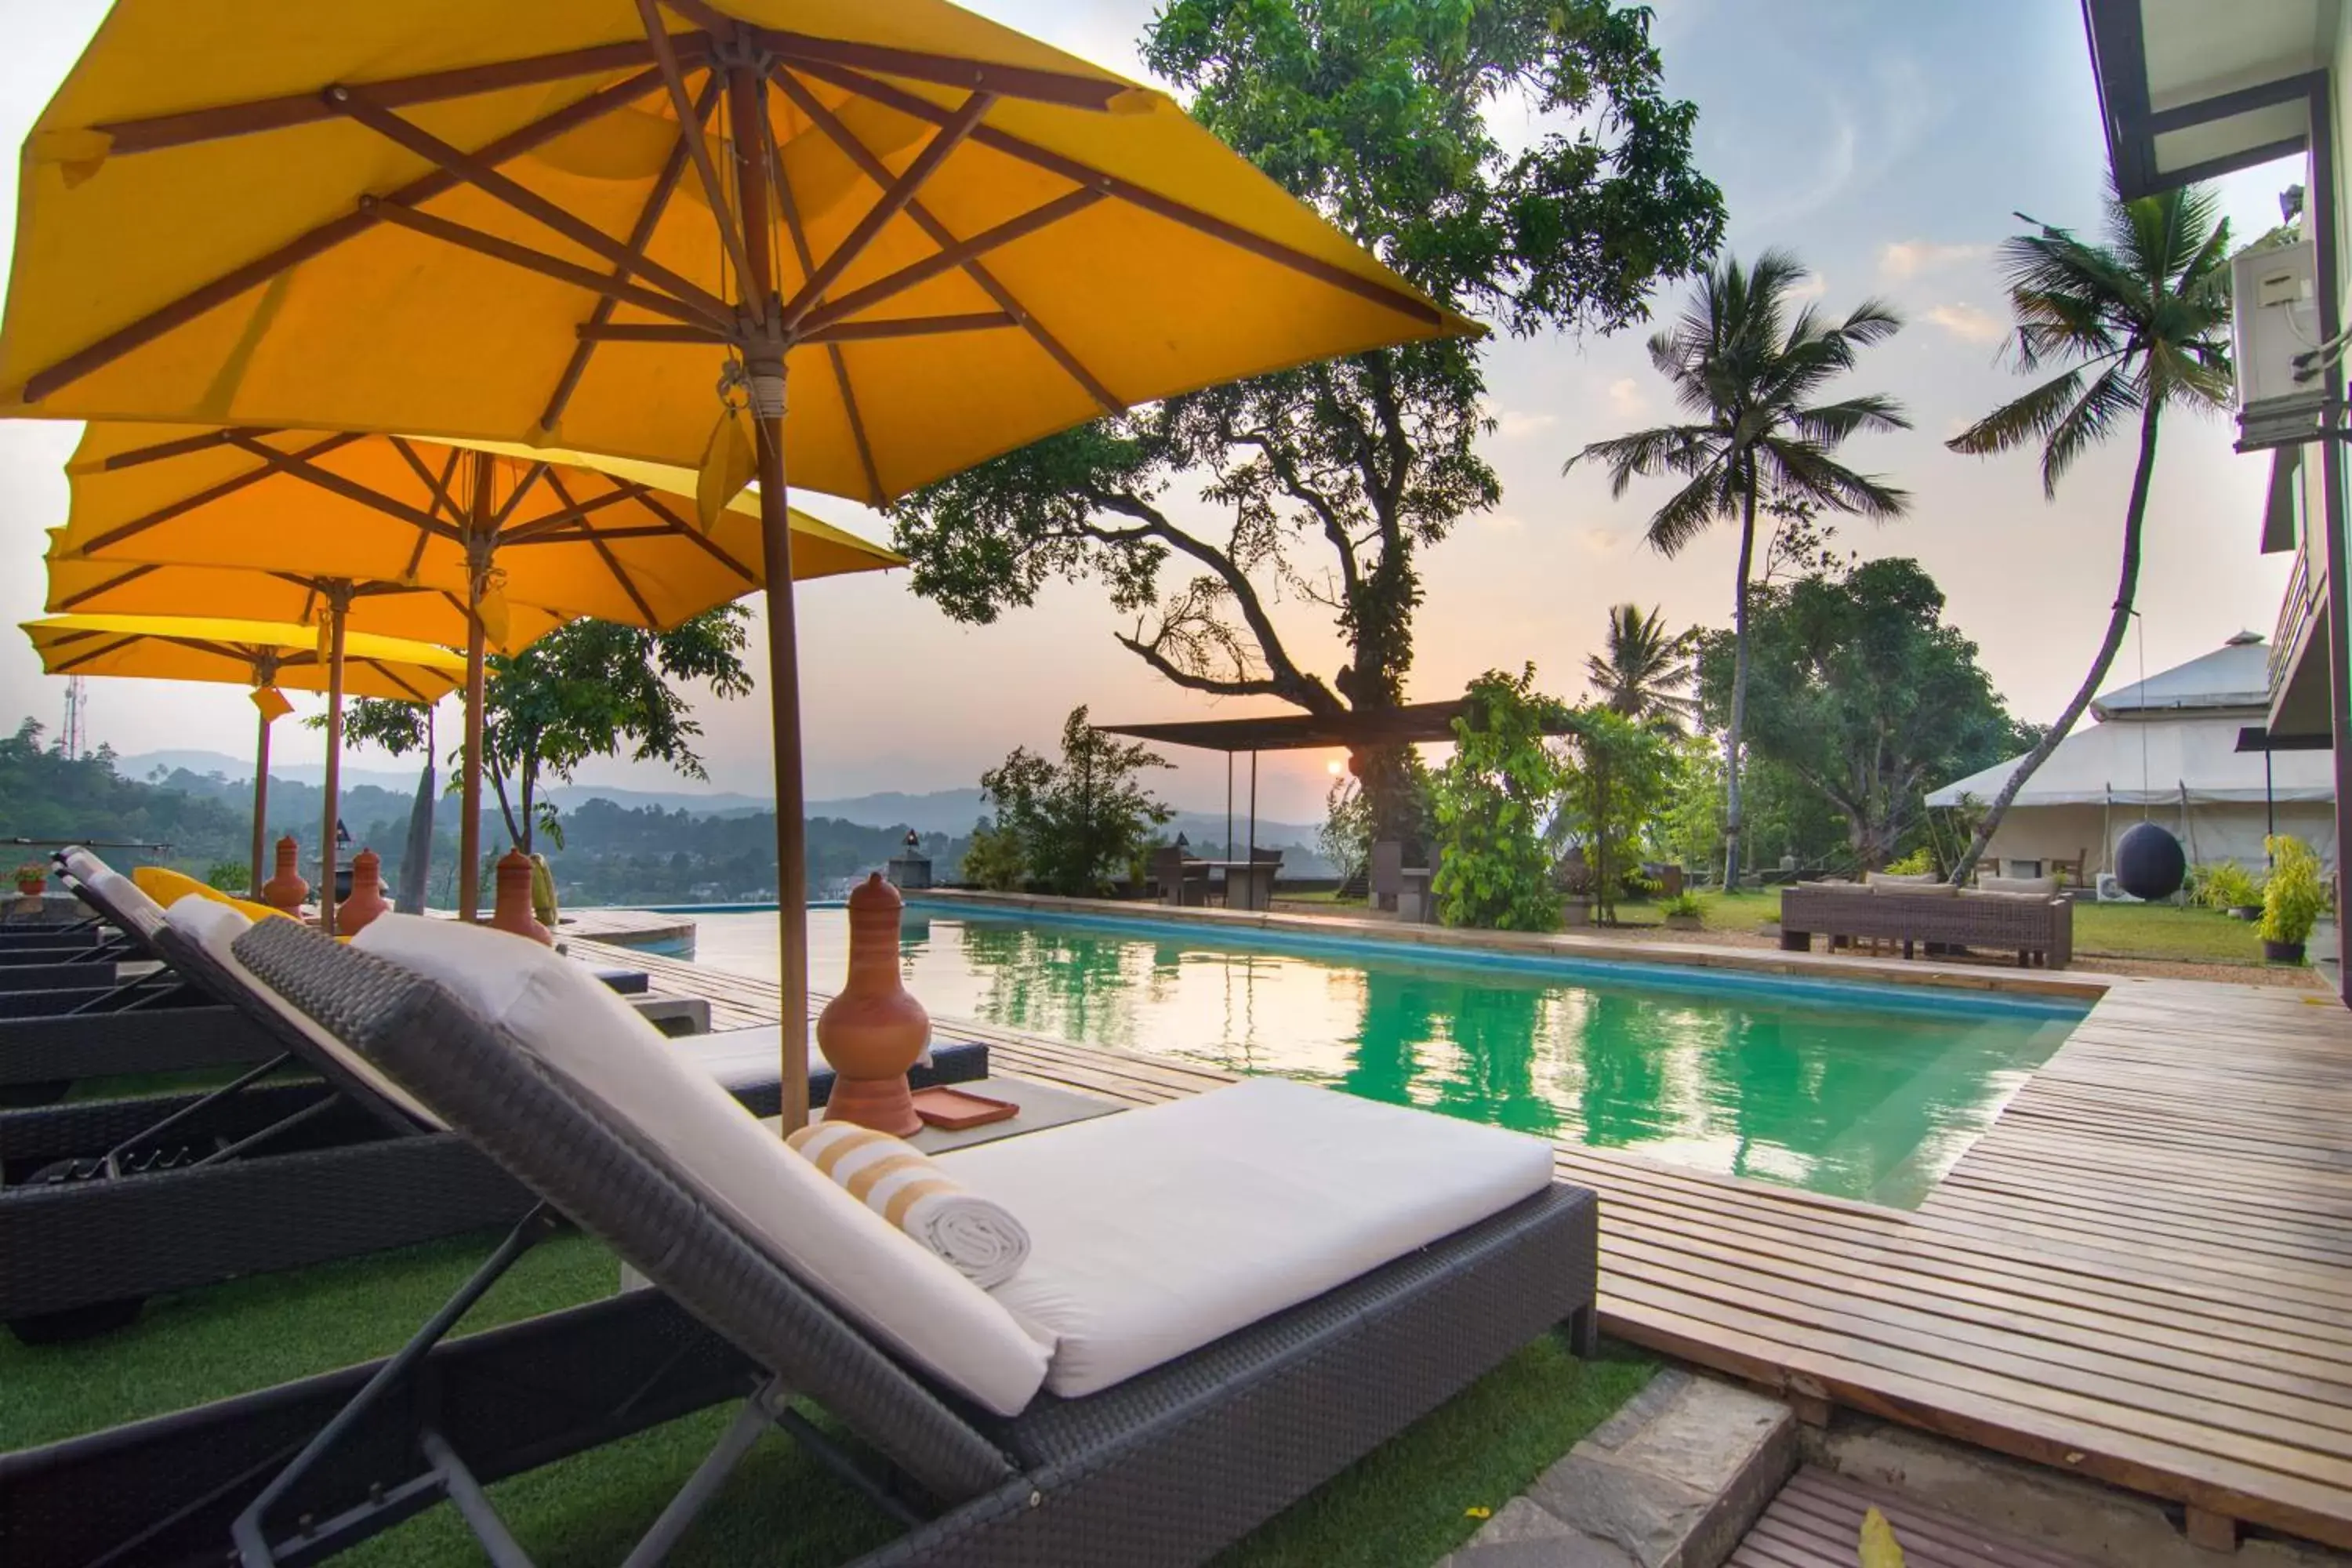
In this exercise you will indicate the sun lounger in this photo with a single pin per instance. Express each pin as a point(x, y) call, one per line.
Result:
point(1206, 1386)
point(108, 1202)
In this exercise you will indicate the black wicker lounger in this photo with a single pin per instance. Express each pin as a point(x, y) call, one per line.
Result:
point(108, 1202)
point(1164, 1467)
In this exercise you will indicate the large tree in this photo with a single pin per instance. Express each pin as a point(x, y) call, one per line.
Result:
point(1323, 484)
point(1748, 369)
point(1863, 691)
point(589, 688)
point(2140, 320)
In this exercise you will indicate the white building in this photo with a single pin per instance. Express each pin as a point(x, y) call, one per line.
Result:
point(2165, 750)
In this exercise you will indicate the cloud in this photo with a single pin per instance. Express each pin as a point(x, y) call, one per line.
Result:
point(1601, 541)
point(1968, 323)
point(1501, 521)
point(1812, 286)
point(1626, 398)
point(1910, 258)
point(1510, 425)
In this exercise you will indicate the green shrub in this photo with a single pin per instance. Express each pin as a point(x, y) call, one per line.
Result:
point(2295, 897)
point(2226, 886)
point(229, 877)
point(1493, 799)
point(1919, 862)
point(995, 860)
point(1680, 904)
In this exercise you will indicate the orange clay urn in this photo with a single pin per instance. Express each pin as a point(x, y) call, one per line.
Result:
point(286, 890)
point(873, 1031)
point(513, 911)
point(367, 900)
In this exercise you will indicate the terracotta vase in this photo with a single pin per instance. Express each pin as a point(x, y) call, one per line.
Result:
point(873, 1030)
point(367, 900)
point(513, 910)
point(286, 890)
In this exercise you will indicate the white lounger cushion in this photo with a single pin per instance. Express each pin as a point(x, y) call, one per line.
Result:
point(575, 1026)
point(213, 926)
point(1154, 1232)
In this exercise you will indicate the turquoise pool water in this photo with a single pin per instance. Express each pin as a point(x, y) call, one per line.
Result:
point(1862, 1091)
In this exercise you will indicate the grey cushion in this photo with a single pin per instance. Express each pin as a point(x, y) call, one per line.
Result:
point(2047, 887)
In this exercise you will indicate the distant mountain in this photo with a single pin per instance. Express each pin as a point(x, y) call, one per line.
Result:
point(145, 766)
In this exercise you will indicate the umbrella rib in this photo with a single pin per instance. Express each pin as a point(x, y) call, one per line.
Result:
point(789, 209)
point(67, 666)
point(355, 104)
point(678, 525)
point(591, 333)
point(136, 456)
point(299, 466)
point(1064, 89)
point(325, 237)
point(538, 470)
point(393, 675)
point(953, 256)
point(581, 533)
point(436, 487)
point(666, 60)
point(910, 327)
point(954, 130)
point(523, 533)
point(275, 462)
point(640, 235)
point(1135, 196)
point(531, 260)
point(162, 130)
point(71, 600)
point(604, 554)
point(863, 156)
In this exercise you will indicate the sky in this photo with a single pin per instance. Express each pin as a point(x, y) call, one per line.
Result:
point(1889, 146)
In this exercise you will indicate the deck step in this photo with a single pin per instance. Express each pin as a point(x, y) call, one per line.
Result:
point(1816, 1522)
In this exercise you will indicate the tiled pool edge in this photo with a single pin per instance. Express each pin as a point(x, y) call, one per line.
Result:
point(2076, 987)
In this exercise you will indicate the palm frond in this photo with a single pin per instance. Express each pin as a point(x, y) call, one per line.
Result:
point(2093, 415)
point(1682, 519)
point(1809, 470)
point(2028, 418)
point(1827, 424)
point(1665, 449)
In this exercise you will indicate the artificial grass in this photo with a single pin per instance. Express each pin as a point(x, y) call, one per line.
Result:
point(1404, 1505)
point(2162, 932)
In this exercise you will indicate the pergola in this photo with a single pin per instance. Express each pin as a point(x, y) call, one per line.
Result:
point(1408, 724)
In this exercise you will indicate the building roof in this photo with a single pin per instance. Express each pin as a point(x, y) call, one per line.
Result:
point(2191, 88)
point(2235, 676)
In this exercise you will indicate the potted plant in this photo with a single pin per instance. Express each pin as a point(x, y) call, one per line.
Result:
point(2231, 889)
point(2292, 900)
point(32, 879)
point(1681, 911)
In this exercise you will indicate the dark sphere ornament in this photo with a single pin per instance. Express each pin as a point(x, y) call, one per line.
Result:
point(2149, 863)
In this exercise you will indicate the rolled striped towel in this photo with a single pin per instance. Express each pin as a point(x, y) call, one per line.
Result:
point(979, 1238)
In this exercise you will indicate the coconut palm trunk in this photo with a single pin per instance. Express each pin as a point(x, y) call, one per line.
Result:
point(2118, 623)
point(1734, 732)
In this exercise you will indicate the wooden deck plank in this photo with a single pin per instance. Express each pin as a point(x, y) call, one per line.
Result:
point(2142, 1271)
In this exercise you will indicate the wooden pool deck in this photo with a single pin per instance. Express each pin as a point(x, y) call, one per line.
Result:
point(2142, 1273)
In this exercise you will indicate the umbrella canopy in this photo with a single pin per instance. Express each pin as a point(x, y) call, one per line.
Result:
point(440, 216)
point(240, 653)
point(477, 222)
point(617, 541)
point(79, 586)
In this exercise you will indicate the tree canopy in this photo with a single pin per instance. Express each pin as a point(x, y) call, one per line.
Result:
point(1078, 825)
point(1199, 514)
point(1860, 689)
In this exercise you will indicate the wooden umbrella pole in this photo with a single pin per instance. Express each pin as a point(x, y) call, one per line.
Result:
point(469, 823)
point(261, 803)
point(745, 92)
point(338, 603)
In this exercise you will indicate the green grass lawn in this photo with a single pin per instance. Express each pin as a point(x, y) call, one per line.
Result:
point(1406, 1504)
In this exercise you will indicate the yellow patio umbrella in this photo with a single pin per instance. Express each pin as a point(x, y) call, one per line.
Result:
point(569, 221)
point(399, 532)
point(262, 654)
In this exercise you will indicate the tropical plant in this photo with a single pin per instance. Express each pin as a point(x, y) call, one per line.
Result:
point(2227, 886)
point(1746, 370)
point(1918, 863)
point(1495, 799)
point(229, 877)
point(1083, 822)
point(1863, 691)
point(589, 688)
point(1621, 777)
point(2140, 318)
point(1645, 674)
point(32, 874)
point(1326, 483)
point(2296, 896)
point(1680, 906)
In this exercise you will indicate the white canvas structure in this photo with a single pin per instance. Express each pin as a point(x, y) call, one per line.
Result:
point(2165, 750)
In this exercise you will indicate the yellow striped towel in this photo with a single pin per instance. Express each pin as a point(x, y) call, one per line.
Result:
point(894, 1179)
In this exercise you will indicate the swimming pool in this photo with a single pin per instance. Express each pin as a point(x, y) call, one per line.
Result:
point(1862, 1091)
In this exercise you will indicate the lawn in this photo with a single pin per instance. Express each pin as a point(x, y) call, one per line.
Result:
point(2101, 930)
point(1406, 1504)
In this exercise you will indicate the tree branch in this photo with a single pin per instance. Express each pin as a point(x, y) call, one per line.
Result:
point(1151, 655)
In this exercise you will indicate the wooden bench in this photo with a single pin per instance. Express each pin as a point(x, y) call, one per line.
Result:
point(2039, 931)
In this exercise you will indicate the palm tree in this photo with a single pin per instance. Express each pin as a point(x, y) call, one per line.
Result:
point(1646, 675)
point(2141, 319)
point(1745, 369)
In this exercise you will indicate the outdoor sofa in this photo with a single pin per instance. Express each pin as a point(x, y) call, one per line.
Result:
point(104, 1204)
point(1405, 1256)
point(2036, 924)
